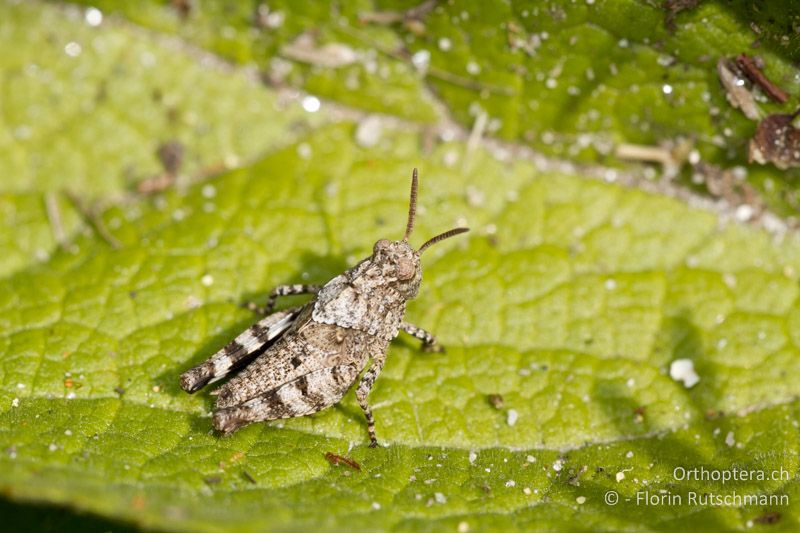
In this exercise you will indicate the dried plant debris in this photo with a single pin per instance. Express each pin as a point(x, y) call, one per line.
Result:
point(212, 480)
point(182, 7)
point(337, 460)
point(776, 141)
point(54, 218)
point(752, 68)
point(331, 55)
point(496, 400)
point(673, 7)
point(670, 154)
point(769, 518)
point(736, 89)
point(267, 19)
point(410, 17)
point(730, 185)
point(171, 155)
point(424, 66)
point(93, 218)
point(519, 39)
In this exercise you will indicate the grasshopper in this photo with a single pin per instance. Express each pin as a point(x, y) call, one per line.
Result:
point(302, 360)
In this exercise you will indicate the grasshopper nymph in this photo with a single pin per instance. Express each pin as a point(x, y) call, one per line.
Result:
point(302, 360)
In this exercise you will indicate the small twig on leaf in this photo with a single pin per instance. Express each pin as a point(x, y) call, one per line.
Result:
point(54, 217)
point(754, 74)
point(393, 17)
point(431, 71)
point(93, 219)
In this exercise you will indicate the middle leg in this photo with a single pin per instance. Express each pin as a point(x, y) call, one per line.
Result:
point(281, 290)
point(429, 342)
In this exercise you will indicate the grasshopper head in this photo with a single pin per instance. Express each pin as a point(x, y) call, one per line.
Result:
point(400, 262)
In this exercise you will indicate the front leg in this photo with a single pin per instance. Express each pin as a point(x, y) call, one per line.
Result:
point(429, 342)
point(281, 290)
point(364, 387)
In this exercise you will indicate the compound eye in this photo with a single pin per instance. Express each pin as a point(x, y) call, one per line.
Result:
point(405, 269)
point(381, 245)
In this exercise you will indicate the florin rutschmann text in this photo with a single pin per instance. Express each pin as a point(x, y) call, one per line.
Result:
point(708, 497)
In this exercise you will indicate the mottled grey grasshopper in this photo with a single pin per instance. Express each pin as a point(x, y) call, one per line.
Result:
point(302, 360)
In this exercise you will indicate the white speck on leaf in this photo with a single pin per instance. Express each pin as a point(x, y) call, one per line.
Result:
point(421, 59)
point(311, 104)
point(209, 191)
point(193, 302)
point(368, 132)
point(73, 49)
point(744, 212)
point(304, 150)
point(683, 370)
point(511, 417)
point(93, 16)
point(475, 197)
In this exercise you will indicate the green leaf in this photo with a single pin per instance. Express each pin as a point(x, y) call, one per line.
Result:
point(86, 108)
point(569, 78)
point(567, 304)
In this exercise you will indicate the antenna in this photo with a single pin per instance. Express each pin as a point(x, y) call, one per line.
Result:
point(412, 205)
point(441, 237)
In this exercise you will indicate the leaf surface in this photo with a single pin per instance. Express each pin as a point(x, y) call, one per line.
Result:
point(568, 301)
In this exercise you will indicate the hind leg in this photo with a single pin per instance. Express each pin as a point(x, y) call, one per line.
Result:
point(363, 390)
point(308, 394)
point(239, 351)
